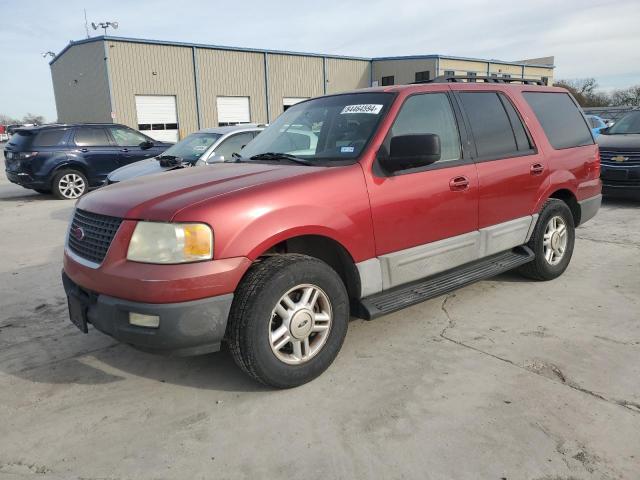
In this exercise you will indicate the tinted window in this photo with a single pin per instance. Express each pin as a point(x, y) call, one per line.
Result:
point(126, 137)
point(21, 139)
point(233, 144)
point(49, 138)
point(522, 138)
point(430, 113)
point(91, 137)
point(560, 118)
point(490, 124)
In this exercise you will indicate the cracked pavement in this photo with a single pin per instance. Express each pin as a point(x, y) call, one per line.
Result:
point(507, 378)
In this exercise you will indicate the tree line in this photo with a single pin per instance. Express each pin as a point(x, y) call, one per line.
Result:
point(586, 93)
point(27, 119)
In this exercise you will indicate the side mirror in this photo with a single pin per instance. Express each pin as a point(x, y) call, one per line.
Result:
point(213, 158)
point(147, 144)
point(605, 131)
point(411, 151)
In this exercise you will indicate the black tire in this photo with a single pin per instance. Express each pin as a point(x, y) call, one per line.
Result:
point(63, 194)
point(43, 191)
point(541, 268)
point(251, 313)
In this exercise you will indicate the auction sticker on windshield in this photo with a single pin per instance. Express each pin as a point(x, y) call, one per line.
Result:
point(372, 108)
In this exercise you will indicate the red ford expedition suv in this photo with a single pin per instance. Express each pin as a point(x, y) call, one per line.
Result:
point(354, 204)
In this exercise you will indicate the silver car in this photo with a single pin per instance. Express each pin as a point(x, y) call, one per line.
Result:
point(206, 146)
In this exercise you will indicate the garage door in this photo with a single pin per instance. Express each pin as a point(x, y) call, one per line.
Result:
point(290, 101)
point(233, 110)
point(157, 116)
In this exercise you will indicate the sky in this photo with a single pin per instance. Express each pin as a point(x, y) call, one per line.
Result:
point(588, 38)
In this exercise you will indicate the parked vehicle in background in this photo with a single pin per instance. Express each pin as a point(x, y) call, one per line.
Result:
point(4, 135)
point(407, 193)
point(207, 146)
point(596, 124)
point(68, 160)
point(620, 154)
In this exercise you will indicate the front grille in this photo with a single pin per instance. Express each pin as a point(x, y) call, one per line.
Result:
point(97, 233)
point(632, 158)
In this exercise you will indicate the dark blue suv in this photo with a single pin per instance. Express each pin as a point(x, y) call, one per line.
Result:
point(68, 160)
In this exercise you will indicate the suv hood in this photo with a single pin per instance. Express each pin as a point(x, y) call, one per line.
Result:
point(619, 142)
point(161, 196)
point(138, 169)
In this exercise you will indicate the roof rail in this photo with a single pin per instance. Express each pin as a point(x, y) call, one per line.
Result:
point(483, 79)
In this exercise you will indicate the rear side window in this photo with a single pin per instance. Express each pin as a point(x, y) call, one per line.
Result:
point(49, 138)
point(560, 118)
point(91, 137)
point(497, 129)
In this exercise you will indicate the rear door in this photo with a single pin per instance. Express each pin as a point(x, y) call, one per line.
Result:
point(93, 147)
point(425, 219)
point(511, 171)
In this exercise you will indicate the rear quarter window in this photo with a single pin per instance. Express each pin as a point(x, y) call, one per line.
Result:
point(20, 140)
point(49, 138)
point(561, 120)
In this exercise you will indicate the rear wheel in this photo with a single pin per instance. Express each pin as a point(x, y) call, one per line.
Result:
point(69, 184)
point(552, 242)
point(288, 320)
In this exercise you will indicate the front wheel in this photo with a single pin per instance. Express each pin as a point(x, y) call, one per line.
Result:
point(69, 184)
point(288, 320)
point(552, 242)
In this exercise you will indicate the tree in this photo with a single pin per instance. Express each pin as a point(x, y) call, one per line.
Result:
point(31, 118)
point(627, 97)
point(7, 120)
point(585, 92)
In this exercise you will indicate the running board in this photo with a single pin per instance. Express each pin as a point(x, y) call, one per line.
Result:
point(403, 296)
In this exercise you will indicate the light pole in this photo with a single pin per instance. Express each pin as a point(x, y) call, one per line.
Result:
point(104, 25)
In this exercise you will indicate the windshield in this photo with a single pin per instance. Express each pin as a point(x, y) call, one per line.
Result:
point(324, 129)
point(630, 123)
point(193, 147)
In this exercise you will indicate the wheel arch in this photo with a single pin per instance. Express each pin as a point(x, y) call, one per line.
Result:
point(568, 197)
point(324, 248)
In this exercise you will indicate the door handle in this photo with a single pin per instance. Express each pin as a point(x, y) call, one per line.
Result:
point(537, 168)
point(84, 150)
point(460, 183)
point(124, 149)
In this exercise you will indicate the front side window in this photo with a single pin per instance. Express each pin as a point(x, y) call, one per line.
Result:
point(629, 124)
point(324, 129)
point(561, 120)
point(91, 137)
point(430, 113)
point(126, 137)
point(233, 144)
point(192, 147)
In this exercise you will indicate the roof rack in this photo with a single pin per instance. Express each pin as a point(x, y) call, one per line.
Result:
point(483, 79)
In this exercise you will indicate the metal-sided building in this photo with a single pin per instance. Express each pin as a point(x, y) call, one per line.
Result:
point(170, 89)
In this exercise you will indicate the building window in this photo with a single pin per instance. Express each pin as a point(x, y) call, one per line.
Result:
point(506, 75)
point(545, 80)
point(449, 73)
point(472, 76)
point(423, 76)
point(390, 80)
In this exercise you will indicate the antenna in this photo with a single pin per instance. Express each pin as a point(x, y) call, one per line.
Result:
point(104, 26)
point(86, 25)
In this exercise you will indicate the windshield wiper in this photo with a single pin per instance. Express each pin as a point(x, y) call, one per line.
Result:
point(281, 156)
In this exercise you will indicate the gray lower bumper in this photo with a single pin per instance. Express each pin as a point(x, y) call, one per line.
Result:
point(186, 328)
point(589, 208)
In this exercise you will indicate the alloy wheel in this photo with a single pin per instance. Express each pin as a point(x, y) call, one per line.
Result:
point(71, 185)
point(555, 240)
point(300, 324)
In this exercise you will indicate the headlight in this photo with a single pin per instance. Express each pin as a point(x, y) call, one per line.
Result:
point(155, 242)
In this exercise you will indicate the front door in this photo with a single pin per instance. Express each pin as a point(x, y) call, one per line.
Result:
point(425, 220)
point(133, 146)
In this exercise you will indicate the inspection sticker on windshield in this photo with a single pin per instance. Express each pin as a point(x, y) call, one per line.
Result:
point(347, 149)
point(200, 148)
point(362, 108)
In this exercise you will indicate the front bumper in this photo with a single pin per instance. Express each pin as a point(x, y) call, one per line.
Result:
point(631, 191)
point(186, 328)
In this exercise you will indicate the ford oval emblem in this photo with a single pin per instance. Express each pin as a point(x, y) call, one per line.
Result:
point(78, 233)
